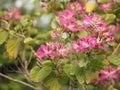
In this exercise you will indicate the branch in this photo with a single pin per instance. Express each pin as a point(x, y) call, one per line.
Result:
point(17, 81)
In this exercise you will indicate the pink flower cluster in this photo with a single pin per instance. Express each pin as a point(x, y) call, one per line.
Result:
point(109, 72)
point(107, 5)
point(84, 43)
point(96, 27)
point(12, 14)
point(52, 50)
point(67, 17)
point(76, 7)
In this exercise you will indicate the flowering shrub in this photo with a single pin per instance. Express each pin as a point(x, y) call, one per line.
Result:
point(82, 52)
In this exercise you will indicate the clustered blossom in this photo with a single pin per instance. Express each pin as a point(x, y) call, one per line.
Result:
point(97, 28)
point(67, 17)
point(107, 5)
point(12, 14)
point(109, 72)
point(52, 50)
point(84, 43)
point(76, 6)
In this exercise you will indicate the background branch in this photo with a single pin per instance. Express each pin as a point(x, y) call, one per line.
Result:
point(17, 81)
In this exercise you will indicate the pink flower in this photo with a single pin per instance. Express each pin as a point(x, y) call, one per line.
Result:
point(61, 50)
point(45, 50)
point(12, 14)
point(94, 81)
point(107, 5)
point(70, 26)
point(109, 72)
point(66, 17)
point(84, 43)
point(76, 6)
point(90, 21)
point(54, 34)
point(75, 46)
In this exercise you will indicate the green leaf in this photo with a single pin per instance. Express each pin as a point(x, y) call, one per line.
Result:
point(33, 72)
point(12, 47)
point(47, 63)
point(104, 1)
point(109, 18)
point(55, 85)
point(80, 76)
point(117, 13)
point(114, 59)
point(67, 69)
point(29, 40)
point(88, 76)
point(82, 33)
point(90, 6)
point(3, 36)
point(43, 73)
point(74, 69)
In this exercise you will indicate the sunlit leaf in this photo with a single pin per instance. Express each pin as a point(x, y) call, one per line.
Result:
point(12, 47)
point(90, 6)
point(103, 1)
point(80, 76)
point(33, 73)
point(3, 36)
point(114, 59)
point(43, 73)
point(55, 85)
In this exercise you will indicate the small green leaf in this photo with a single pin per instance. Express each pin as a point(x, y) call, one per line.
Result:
point(82, 33)
point(114, 59)
point(47, 63)
point(80, 76)
point(67, 69)
point(109, 18)
point(74, 69)
point(88, 76)
point(55, 85)
point(12, 47)
point(29, 40)
point(3, 36)
point(43, 73)
point(33, 73)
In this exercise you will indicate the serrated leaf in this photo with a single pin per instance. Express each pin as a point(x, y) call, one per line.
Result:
point(80, 76)
point(12, 47)
point(33, 72)
point(90, 6)
point(43, 73)
point(67, 69)
point(55, 85)
point(74, 69)
point(114, 59)
point(3, 36)
point(88, 76)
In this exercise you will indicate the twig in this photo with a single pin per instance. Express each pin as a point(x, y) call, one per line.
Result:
point(116, 49)
point(17, 81)
point(38, 58)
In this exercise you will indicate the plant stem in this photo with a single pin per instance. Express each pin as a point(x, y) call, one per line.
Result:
point(17, 81)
